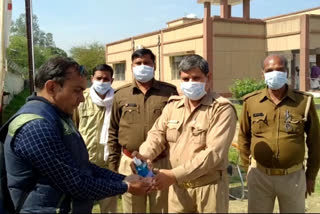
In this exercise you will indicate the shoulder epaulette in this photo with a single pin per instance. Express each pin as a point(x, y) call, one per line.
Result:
point(245, 97)
point(175, 97)
point(122, 87)
point(220, 99)
point(302, 92)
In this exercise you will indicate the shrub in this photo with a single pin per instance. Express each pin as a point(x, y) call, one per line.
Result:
point(241, 87)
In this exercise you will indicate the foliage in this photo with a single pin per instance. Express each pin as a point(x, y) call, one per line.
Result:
point(40, 37)
point(17, 53)
point(241, 87)
point(89, 55)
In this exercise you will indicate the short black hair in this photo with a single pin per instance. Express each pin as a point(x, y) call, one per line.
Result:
point(283, 59)
point(102, 67)
point(141, 52)
point(194, 61)
point(56, 69)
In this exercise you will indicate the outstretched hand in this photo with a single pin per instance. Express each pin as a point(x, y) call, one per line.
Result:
point(138, 185)
point(163, 179)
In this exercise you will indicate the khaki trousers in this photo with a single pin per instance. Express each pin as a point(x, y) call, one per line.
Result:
point(211, 198)
point(288, 189)
point(158, 201)
point(108, 205)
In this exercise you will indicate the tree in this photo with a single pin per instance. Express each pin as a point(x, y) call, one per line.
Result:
point(44, 46)
point(40, 38)
point(89, 55)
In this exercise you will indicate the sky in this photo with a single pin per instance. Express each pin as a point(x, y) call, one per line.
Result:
point(78, 22)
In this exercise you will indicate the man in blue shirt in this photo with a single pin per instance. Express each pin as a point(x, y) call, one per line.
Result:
point(46, 159)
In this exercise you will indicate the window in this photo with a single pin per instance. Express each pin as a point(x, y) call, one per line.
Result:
point(119, 71)
point(174, 63)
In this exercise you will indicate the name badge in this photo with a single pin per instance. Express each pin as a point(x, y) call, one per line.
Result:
point(173, 121)
point(258, 114)
point(131, 105)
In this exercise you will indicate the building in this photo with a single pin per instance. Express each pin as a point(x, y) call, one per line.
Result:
point(233, 46)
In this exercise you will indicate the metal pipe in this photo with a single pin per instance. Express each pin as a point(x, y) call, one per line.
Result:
point(30, 43)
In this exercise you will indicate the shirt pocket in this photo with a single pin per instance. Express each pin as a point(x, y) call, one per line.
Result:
point(130, 114)
point(172, 132)
point(84, 118)
point(158, 108)
point(199, 134)
point(259, 124)
point(294, 124)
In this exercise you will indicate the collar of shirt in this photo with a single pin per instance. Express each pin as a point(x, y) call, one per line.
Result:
point(155, 85)
point(206, 100)
point(266, 96)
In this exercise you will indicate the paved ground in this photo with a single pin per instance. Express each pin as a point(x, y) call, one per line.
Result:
point(312, 205)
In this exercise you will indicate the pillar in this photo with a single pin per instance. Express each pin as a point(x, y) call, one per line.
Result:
point(304, 54)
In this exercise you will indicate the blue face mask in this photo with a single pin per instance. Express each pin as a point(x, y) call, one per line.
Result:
point(143, 73)
point(101, 87)
point(275, 79)
point(193, 90)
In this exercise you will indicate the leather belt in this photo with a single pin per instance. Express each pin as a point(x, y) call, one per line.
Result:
point(127, 153)
point(275, 171)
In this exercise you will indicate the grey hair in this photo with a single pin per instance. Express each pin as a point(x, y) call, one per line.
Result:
point(194, 61)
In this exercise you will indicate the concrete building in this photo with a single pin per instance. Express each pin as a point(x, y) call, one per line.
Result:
point(233, 46)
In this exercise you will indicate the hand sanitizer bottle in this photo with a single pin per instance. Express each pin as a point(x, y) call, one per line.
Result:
point(142, 168)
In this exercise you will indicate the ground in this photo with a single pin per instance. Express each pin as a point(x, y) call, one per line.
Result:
point(240, 206)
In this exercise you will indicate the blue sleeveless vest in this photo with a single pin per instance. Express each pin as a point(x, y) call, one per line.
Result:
point(44, 198)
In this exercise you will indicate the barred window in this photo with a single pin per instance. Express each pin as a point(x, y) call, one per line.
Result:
point(119, 71)
point(174, 64)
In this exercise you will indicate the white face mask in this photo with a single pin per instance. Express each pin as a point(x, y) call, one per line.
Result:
point(193, 90)
point(275, 79)
point(143, 73)
point(101, 87)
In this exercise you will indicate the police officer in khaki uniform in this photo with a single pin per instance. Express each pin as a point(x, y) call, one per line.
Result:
point(92, 118)
point(136, 107)
point(198, 128)
point(275, 124)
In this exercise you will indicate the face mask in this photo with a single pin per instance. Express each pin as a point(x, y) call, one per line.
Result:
point(101, 87)
point(193, 90)
point(275, 79)
point(143, 73)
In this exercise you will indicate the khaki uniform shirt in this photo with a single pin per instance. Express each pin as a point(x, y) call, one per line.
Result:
point(274, 135)
point(88, 118)
point(198, 141)
point(133, 115)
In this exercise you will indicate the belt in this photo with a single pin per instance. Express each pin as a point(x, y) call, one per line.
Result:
point(202, 181)
point(129, 154)
point(274, 171)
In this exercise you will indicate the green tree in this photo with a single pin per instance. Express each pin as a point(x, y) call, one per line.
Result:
point(89, 55)
point(40, 38)
point(44, 46)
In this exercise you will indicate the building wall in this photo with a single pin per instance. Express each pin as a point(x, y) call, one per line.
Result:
point(314, 31)
point(13, 84)
point(283, 34)
point(239, 49)
point(239, 46)
point(315, 11)
point(181, 41)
